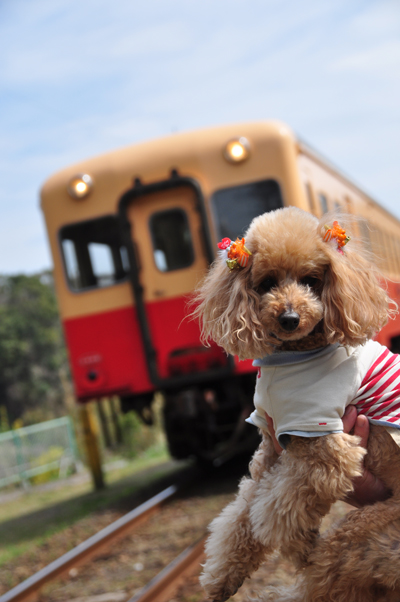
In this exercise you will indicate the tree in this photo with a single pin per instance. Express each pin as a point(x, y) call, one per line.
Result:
point(32, 350)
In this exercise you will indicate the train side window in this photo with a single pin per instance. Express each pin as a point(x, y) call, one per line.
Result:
point(381, 250)
point(235, 207)
point(395, 344)
point(348, 204)
point(396, 254)
point(392, 254)
point(324, 203)
point(365, 233)
point(375, 245)
point(310, 197)
point(172, 241)
point(92, 253)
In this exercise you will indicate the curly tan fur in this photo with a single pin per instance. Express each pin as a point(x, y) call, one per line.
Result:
point(288, 245)
point(338, 298)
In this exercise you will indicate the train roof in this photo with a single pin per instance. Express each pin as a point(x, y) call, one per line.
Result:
point(170, 148)
point(148, 157)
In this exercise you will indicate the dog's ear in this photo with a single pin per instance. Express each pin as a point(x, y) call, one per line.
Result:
point(227, 307)
point(356, 304)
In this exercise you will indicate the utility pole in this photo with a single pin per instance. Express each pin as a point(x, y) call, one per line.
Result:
point(90, 434)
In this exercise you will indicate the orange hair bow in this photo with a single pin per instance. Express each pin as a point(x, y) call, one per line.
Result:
point(337, 233)
point(237, 254)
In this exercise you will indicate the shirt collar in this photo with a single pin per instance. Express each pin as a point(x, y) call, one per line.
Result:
point(283, 358)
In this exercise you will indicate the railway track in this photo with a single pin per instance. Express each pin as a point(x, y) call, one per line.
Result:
point(28, 590)
point(161, 587)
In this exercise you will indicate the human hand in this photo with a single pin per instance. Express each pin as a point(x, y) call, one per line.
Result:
point(368, 489)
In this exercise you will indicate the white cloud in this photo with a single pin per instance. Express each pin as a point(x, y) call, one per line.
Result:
point(376, 21)
point(383, 60)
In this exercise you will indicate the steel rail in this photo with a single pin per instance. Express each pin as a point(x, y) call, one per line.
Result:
point(164, 585)
point(89, 548)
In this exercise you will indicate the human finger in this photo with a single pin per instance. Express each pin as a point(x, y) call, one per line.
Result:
point(349, 419)
point(361, 429)
point(271, 430)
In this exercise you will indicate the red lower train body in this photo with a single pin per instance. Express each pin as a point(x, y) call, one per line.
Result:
point(203, 412)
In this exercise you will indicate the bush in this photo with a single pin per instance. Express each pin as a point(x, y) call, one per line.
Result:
point(136, 435)
point(53, 454)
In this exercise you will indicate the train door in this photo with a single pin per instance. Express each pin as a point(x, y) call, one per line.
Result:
point(165, 232)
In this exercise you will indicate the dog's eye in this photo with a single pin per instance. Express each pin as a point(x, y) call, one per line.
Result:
point(310, 281)
point(266, 284)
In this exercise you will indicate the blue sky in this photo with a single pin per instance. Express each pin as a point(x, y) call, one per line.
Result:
point(81, 77)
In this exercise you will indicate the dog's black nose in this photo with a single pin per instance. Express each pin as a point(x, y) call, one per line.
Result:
point(289, 320)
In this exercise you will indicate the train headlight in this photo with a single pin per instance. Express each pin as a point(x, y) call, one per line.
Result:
point(80, 186)
point(237, 150)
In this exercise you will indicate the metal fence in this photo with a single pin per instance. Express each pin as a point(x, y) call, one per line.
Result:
point(31, 451)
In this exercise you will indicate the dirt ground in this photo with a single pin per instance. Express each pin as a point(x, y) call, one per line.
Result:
point(133, 561)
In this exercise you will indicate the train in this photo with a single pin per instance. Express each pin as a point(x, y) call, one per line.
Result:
point(132, 233)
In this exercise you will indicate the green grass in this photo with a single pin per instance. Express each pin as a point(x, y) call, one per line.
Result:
point(32, 518)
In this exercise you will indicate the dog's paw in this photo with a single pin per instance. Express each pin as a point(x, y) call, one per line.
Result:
point(219, 590)
point(338, 460)
point(349, 458)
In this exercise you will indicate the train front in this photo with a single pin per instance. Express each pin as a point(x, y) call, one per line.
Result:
point(132, 233)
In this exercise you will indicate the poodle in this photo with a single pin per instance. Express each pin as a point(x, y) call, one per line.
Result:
point(294, 297)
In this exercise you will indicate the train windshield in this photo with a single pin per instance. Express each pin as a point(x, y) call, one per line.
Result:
point(93, 254)
point(236, 206)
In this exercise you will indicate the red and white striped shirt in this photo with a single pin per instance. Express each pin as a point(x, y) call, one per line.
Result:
point(378, 397)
